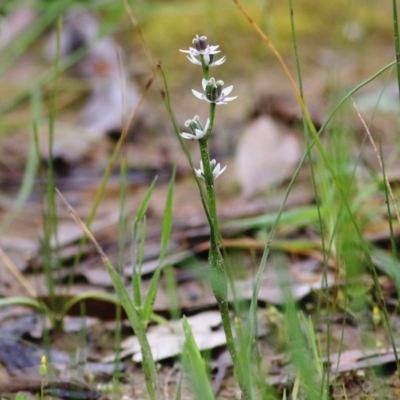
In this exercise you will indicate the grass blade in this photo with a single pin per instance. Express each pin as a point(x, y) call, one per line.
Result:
point(168, 215)
point(132, 312)
point(194, 366)
point(140, 222)
point(165, 235)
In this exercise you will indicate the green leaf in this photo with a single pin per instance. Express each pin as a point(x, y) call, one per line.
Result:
point(165, 235)
point(168, 217)
point(151, 295)
point(139, 328)
point(145, 202)
point(24, 301)
point(103, 296)
point(140, 220)
point(194, 365)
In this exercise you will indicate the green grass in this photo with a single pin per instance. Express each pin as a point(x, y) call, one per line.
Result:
point(344, 209)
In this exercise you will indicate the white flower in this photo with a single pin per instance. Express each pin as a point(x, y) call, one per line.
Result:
point(202, 48)
point(216, 169)
point(208, 59)
point(197, 129)
point(214, 92)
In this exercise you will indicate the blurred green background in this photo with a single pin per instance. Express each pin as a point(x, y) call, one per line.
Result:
point(340, 44)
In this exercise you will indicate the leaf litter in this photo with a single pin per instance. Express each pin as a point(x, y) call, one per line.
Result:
point(82, 144)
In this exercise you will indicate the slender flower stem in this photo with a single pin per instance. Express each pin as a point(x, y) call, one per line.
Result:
point(210, 127)
point(210, 170)
point(206, 69)
point(396, 41)
point(218, 276)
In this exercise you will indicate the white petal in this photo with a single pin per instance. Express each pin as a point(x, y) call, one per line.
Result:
point(190, 136)
point(212, 49)
point(198, 173)
point(207, 125)
point(199, 133)
point(218, 171)
point(199, 95)
point(185, 51)
point(204, 84)
point(222, 170)
point(193, 60)
point(194, 51)
point(229, 98)
point(206, 59)
point(227, 90)
point(218, 62)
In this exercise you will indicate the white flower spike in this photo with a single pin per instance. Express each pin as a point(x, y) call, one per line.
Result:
point(214, 92)
point(197, 129)
point(216, 169)
point(202, 48)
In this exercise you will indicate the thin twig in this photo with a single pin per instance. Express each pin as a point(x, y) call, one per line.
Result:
point(17, 274)
point(378, 156)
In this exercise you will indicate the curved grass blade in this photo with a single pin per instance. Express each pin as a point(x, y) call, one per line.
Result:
point(131, 310)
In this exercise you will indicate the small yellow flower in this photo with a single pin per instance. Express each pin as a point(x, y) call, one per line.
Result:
point(43, 366)
point(376, 316)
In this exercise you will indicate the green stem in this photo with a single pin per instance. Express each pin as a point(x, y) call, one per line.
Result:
point(218, 275)
point(210, 127)
point(205, 67)
point(396, 41)
point(217, 266)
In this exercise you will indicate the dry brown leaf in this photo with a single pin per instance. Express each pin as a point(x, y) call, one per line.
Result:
point(112, 96)
point(352, 360)
point(71, 143)
point(267, 154)
point(301, 279)
point(167, 340)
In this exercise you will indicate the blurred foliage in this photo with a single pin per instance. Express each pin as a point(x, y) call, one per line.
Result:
point(325, 30)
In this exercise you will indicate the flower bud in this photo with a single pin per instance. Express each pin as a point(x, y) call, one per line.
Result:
point(200, 43)
point(194, 124)
point(214, 89)
point(43, 366)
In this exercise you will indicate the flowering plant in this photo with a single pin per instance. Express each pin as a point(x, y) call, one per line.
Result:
point(213, 93)
point(203, 54)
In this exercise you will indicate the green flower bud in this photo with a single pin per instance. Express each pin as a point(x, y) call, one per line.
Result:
point(214, 90)
point(194, 124)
